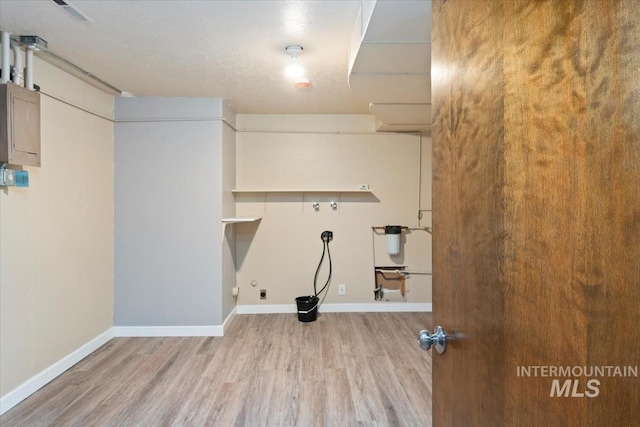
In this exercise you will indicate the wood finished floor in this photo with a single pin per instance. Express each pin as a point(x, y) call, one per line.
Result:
point(345, 369)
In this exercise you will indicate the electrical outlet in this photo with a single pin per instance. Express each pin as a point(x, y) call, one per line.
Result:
point(263, 294)
point(342, 289)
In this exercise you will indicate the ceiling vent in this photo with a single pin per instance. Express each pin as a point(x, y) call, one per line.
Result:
point(72, 11)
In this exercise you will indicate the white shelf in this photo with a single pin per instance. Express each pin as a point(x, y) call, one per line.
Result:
point(289, 190)
point(238, 220)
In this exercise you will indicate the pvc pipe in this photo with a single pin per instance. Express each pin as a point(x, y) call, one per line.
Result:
point(28, 78)
point(18, 73)
point(384, 270)
point(6, 36)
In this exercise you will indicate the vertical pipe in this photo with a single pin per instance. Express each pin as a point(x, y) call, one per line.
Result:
point(17, 63)
point(28, 78)
point(5, 56)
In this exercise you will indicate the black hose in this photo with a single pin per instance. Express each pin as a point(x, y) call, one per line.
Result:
point(330, 267)
point(315, 278)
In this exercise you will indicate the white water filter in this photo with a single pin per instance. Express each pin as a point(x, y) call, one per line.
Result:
point(393, 233)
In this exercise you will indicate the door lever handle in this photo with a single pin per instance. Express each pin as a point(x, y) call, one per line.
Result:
point(438, 339)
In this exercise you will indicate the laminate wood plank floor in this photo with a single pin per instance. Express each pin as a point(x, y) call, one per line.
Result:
point(344, 369)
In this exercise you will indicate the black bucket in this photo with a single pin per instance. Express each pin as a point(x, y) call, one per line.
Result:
point(307, 308)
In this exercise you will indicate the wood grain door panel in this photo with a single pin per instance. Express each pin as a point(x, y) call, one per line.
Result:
point(536, 221)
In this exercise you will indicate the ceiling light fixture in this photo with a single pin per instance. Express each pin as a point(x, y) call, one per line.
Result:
point(294, 70)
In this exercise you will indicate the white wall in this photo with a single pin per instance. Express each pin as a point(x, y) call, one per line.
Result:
point(228, 167)
point(168, 211)
point(56, 237)
point(281, 252)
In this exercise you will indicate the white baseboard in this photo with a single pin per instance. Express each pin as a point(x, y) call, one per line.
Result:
point(266, 309)
point(374, 307)
point(174, 331)
point(25, 390)
point(228, 320)
point(377, 307)
point(17, 395)
point(168, 331)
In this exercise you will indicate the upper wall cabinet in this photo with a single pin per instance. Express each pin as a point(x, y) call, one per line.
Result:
point(19, 125)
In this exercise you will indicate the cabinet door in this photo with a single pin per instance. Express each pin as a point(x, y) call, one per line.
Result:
point(26, 122)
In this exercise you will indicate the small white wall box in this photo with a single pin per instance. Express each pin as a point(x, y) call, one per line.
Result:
point(19, 125)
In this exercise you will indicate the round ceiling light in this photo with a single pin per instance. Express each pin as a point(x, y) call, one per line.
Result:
point(294, 70)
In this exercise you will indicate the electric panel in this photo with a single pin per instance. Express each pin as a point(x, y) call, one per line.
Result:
point(19, 125)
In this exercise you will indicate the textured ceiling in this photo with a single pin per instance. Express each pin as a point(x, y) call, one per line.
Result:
point(229, 49)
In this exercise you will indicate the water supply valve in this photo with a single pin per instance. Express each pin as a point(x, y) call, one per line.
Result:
point(326, 236)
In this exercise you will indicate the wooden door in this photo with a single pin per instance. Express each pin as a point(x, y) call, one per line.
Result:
point(536, 222)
